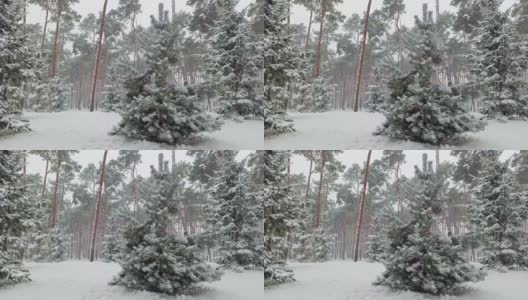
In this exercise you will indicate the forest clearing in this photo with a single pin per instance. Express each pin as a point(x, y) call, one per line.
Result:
point(353, 130)
point(331, 280)
point(89, 281)
point(78, 130)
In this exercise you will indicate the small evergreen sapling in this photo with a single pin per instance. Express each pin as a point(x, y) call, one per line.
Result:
point(154, 259)
point(420, 111)
point(419, 259)
point(156, 110)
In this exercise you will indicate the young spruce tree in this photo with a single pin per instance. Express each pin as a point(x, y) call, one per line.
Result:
point(154, 259)
point(498, 213)
point(419, 259)
point(156, 110)
point(17, 215)
point(419, 110)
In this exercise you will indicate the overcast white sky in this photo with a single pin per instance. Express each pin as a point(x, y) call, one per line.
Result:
point(413, 7)
point(149, 7)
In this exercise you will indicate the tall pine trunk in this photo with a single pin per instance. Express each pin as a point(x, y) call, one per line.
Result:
point(309, 180)
point(362, 57)
point(56, 43)
point(57, 177)
point(309, 29)
point(318, 63)
point(45, 26)
point(318, 204)
point(362, 208)
point(98, 208)
point(98, 58)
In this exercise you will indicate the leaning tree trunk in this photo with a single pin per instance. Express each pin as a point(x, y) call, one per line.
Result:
point(45, 177)
point(362, 208)
point(362, 59)
point(309, 29)
point(318, 204)
point(98, 208)
point(309, 180)
point(318, 63)
point(45, 26)
point(57, 177)
point(98, 58)
point(55, 45)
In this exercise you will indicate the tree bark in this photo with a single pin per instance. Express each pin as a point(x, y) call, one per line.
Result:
point(362, 208)
point(25, 16)
point(318, 204)
point(55, 45)
point(362, 59)
point(57, 177)
point(99, 201)
point(45, 26)
point(98, 58)
point(309, 29)
point(45, 177)
point(309, 180)
point(318, 63)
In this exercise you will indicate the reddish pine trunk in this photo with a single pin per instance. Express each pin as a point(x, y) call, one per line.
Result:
point(98, 58)
point(45, 25)
point(25, 17)
point(318, 63)
point(25, 168)
point(98, 208)
point(318, 204)
point(289, 168)
point(362, 59)
point(309, 30)
point(309, 180)
point(55, 45)
point(57, 177)
point(362, 208)
point(45, 177)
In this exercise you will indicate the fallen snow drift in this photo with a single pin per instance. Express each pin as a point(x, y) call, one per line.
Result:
point(349, 130)
point(89, 281)
point(353, 281)
point(81, 130)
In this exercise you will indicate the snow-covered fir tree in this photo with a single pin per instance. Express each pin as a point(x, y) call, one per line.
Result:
point(376, 92)
point(114, 90)
point(17, 215)
point(17, 68)
point(233, 63)
point(418, 110)
point(376, 241)
point(232, 217)
point(498, 62)
point(112, 242)
point(316, 245)
point(156, 110)
point(323, 91)
point(418, 258)
point(498, 214)
point(154, 259)
point(52, 246)
point(281, 67)
point(281, 213)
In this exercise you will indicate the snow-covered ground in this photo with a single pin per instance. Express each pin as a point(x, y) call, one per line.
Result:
point(348, 130)
point(353, 281)
point(81, 130)
point(89, 281)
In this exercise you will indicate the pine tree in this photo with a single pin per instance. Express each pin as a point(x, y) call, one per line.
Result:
point(498, 213)
point(376, 92)
point(281, 215)
point(18, 62)
point(376, 241)
point(419, 259)
point(52, 246)
point(316, 245)
point(420, 111)
point(155, 110)
point(112, 242)
point(323, 91)
point(17, 216)
point(114, 90)
point(233, 64)
point(232, 217)
point(497, 63)
point(155, 259)
point(282, 63)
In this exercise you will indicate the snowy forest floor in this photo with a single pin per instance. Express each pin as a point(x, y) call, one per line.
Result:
point(80, 130)
point(349, 130)
point(340, 280)
point(74, 280)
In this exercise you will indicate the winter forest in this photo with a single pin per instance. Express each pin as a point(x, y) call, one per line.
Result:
point(131, 74)
point(396, 224)
point(94, 218)
point(393, 74)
